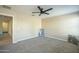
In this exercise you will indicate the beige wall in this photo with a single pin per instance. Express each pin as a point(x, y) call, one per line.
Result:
point(10, 27)
point(24, 27)
point(5, 26)
point(61, 26)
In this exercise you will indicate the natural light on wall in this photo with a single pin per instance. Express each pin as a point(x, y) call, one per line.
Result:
point(62, 26)
point(5, 26)
point(70, 26)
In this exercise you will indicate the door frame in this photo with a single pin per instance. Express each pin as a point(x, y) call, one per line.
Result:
point(11, 25)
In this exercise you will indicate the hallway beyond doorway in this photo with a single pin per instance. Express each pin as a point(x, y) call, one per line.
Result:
point(5, 40)
point(5, 30)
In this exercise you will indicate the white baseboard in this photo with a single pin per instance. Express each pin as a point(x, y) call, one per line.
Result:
point(23, 38)
point(33, 36)
point(55, 37)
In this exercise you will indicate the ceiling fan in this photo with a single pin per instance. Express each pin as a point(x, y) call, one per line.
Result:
point(42, 11)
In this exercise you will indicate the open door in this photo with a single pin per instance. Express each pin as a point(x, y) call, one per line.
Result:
point(5, 30)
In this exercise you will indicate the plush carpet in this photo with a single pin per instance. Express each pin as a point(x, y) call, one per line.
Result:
point(40, 45)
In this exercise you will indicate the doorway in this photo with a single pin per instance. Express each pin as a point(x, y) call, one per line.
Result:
point(5, 30)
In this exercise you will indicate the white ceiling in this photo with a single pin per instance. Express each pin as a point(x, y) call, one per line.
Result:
point(57, 9)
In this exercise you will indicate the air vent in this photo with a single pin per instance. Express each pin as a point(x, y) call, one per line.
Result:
point(6, 7)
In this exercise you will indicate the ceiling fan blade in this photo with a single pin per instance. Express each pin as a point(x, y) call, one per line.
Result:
point(48, 9)
point(47, 13)
point(35, 12)
point(40, 8)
